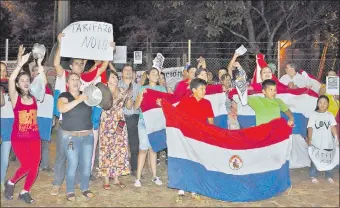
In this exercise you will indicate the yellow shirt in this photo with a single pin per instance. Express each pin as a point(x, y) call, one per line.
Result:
point(333, 104)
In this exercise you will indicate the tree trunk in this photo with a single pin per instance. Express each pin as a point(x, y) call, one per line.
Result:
point(250, 26)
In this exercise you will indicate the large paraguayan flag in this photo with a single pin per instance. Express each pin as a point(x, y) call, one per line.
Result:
point(45, 116)
point(243, 165)
point(301, 102)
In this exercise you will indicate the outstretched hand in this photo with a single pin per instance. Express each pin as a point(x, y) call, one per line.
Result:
point(24, 59)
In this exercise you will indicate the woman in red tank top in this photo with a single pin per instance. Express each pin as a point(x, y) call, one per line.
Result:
point(25, 136)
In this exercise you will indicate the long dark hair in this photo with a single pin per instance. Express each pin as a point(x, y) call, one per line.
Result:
point(147, 81)
point(20, 91)
point(321, 97)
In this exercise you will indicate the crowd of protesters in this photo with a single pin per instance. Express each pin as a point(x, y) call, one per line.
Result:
point(123, 145)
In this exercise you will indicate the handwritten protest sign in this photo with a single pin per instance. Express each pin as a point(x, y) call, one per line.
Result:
point(173, 75)
point(332, 85)
point(324, 159)
point(88, 40)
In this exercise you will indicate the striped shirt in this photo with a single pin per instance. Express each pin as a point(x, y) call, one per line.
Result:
point(135, 91)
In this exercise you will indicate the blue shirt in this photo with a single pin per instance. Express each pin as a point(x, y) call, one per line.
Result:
point(157, 88)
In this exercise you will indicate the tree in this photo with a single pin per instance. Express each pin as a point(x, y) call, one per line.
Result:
point(25, 23)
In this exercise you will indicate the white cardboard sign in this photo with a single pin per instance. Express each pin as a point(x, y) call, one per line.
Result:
point(332, 85)
point(120, 56)
point(137, 57)
point(88, 40)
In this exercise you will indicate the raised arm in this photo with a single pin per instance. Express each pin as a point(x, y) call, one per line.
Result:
point(13, 94)
point(41, 70)
point(231, 63)
point(56, 62)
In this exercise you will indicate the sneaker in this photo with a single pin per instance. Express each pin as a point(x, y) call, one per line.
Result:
point(9, 190)
point(26, 197)
point(180, 198)
point(314, 180)
point(158, 162)
point(157, 181)
point(137, 183)
point(330, 180)
point(55, 190)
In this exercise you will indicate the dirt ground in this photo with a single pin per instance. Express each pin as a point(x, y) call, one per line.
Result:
point(301, 194)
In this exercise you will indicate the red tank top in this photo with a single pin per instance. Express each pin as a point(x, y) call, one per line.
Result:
point(25, 124)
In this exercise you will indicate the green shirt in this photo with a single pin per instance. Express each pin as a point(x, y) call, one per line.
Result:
point(157, 88)
point(266, 109)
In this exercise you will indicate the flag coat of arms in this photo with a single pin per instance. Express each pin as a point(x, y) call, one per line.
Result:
point(243, 165)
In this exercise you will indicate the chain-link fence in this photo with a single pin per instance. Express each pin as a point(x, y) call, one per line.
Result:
point(217, 55)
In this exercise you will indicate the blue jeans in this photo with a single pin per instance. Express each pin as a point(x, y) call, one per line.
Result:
point(60, 160)
point(5, 150)
point(45, 149)
point(81, 154)
point(313, 172)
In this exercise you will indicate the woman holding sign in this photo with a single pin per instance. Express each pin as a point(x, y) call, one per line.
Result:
point(25, 136)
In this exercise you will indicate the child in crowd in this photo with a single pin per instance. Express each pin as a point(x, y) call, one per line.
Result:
point(230, 104)
point(321, 130)
point(269, 107)
point(199, 108)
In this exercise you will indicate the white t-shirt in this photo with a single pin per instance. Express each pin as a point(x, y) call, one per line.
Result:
point(298, 80)
point(321, 124)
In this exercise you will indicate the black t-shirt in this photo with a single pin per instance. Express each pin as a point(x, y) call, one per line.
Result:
point(78, 118)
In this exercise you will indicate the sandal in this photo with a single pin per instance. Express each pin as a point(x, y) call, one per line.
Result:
point(180, 198)
point(88, 194)
point(107, 186)
point(120, 184)
point(196, 197)
point(71, 197)
point(314, 180)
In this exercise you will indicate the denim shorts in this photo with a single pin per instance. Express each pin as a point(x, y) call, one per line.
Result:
point(143, 136)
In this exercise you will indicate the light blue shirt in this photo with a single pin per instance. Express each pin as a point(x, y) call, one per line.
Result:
point(156, 88)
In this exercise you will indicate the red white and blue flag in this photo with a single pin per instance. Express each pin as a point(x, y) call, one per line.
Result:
point(244, 165)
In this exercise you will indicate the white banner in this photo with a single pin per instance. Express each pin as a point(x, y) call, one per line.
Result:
point(88, 40)
point(242, 90)
point(137, 57)
point(323, 159)
point(173, 75)
point(120, 57)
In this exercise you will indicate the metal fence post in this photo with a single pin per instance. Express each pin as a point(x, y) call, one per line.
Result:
point(278, 59)
point(6, 54)
point(189, 51)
